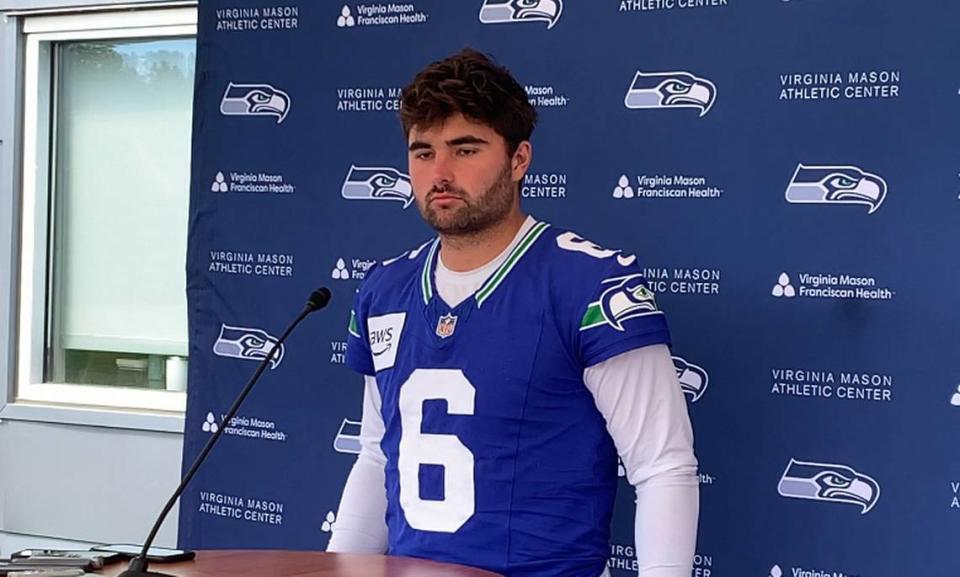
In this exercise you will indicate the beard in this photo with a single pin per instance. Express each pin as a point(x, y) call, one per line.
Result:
point(475, 215)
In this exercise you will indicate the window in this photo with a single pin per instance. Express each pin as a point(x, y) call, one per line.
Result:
point(107, 123)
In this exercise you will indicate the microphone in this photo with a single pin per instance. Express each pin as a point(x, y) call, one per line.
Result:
point(318, 299)
point(138, 565)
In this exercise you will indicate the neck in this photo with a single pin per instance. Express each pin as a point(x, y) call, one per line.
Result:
point(466, 252)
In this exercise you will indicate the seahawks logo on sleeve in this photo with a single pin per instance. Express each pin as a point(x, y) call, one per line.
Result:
point(624, 298)
point(620, 312)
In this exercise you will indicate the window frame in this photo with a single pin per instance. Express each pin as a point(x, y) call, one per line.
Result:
point(38, 153)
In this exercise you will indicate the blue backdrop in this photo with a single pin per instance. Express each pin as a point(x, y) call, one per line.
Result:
point(786, 171)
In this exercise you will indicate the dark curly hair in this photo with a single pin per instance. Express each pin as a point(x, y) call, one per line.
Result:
point(472, 84)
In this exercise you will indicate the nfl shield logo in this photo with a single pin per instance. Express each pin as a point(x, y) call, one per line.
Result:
point(446, 326)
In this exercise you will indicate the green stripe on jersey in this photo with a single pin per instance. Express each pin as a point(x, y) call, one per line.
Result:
point(593, 317)
point(515, 255)
point(426, 282)
point(353, 329)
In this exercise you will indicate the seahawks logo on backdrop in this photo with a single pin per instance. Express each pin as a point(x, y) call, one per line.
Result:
point(829, 482)
point(247, 343)
point(255, 100)
point(836, 184)
point(670, 90)
point(504, 11)
point(693, 379)
point(377, 183)
point(624, 298)
point(347, 439)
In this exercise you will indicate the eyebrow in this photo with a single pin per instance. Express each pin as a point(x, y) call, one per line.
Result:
point(468, 139)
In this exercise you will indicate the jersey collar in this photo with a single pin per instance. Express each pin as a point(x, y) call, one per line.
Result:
point(494, 280)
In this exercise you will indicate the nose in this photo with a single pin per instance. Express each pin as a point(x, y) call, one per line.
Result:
point(442, 169)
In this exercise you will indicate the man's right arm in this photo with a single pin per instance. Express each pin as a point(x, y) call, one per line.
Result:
point(361, 519)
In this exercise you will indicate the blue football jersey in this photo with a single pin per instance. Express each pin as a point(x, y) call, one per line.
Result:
point(497, 456)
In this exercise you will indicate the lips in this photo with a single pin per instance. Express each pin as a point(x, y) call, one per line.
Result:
point(444, 196)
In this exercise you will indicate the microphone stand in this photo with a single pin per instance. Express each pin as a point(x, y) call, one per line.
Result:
point(138, 565)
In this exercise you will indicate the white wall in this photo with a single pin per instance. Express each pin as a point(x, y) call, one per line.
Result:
point(84, 483)
point(67, 478)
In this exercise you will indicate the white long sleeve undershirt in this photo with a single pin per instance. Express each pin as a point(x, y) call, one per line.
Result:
point(639, 397)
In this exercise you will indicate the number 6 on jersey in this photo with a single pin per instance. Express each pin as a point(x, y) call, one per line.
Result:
point(416, 449)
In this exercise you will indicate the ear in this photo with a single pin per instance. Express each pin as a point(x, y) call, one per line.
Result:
point(521, 160)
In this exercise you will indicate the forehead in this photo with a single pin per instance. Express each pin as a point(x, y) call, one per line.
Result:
point(454, 127)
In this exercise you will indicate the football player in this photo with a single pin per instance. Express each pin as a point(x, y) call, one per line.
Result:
point(507, 364)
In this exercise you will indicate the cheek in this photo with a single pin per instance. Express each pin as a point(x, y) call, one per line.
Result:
point(420, 180)
point(476, 177)
point(486, 177)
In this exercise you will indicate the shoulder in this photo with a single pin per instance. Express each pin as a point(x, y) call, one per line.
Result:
point(601, 285)
point(605, 302)
point(575, 256)
point(387, 276)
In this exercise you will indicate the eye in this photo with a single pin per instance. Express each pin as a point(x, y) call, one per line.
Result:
point(259, 97)
point(252, 341)
point(423, 155)
point(384, 181)
point(842, 181)
point(833, 480)
point(466, 151)
point(676, 87)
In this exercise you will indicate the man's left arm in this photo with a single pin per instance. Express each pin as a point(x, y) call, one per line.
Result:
point(638, 394)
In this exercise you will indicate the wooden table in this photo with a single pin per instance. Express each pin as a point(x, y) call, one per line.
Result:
point(302, 564)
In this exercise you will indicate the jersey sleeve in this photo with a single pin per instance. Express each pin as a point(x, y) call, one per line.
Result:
point(359, 357)
point(620, 315)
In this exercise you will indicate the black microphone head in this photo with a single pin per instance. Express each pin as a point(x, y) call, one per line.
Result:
point(318, 298)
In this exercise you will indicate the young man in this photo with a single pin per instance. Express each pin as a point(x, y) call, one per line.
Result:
point(507, 363)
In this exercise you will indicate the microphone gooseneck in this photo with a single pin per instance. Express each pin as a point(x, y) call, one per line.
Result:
point(138, 565)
